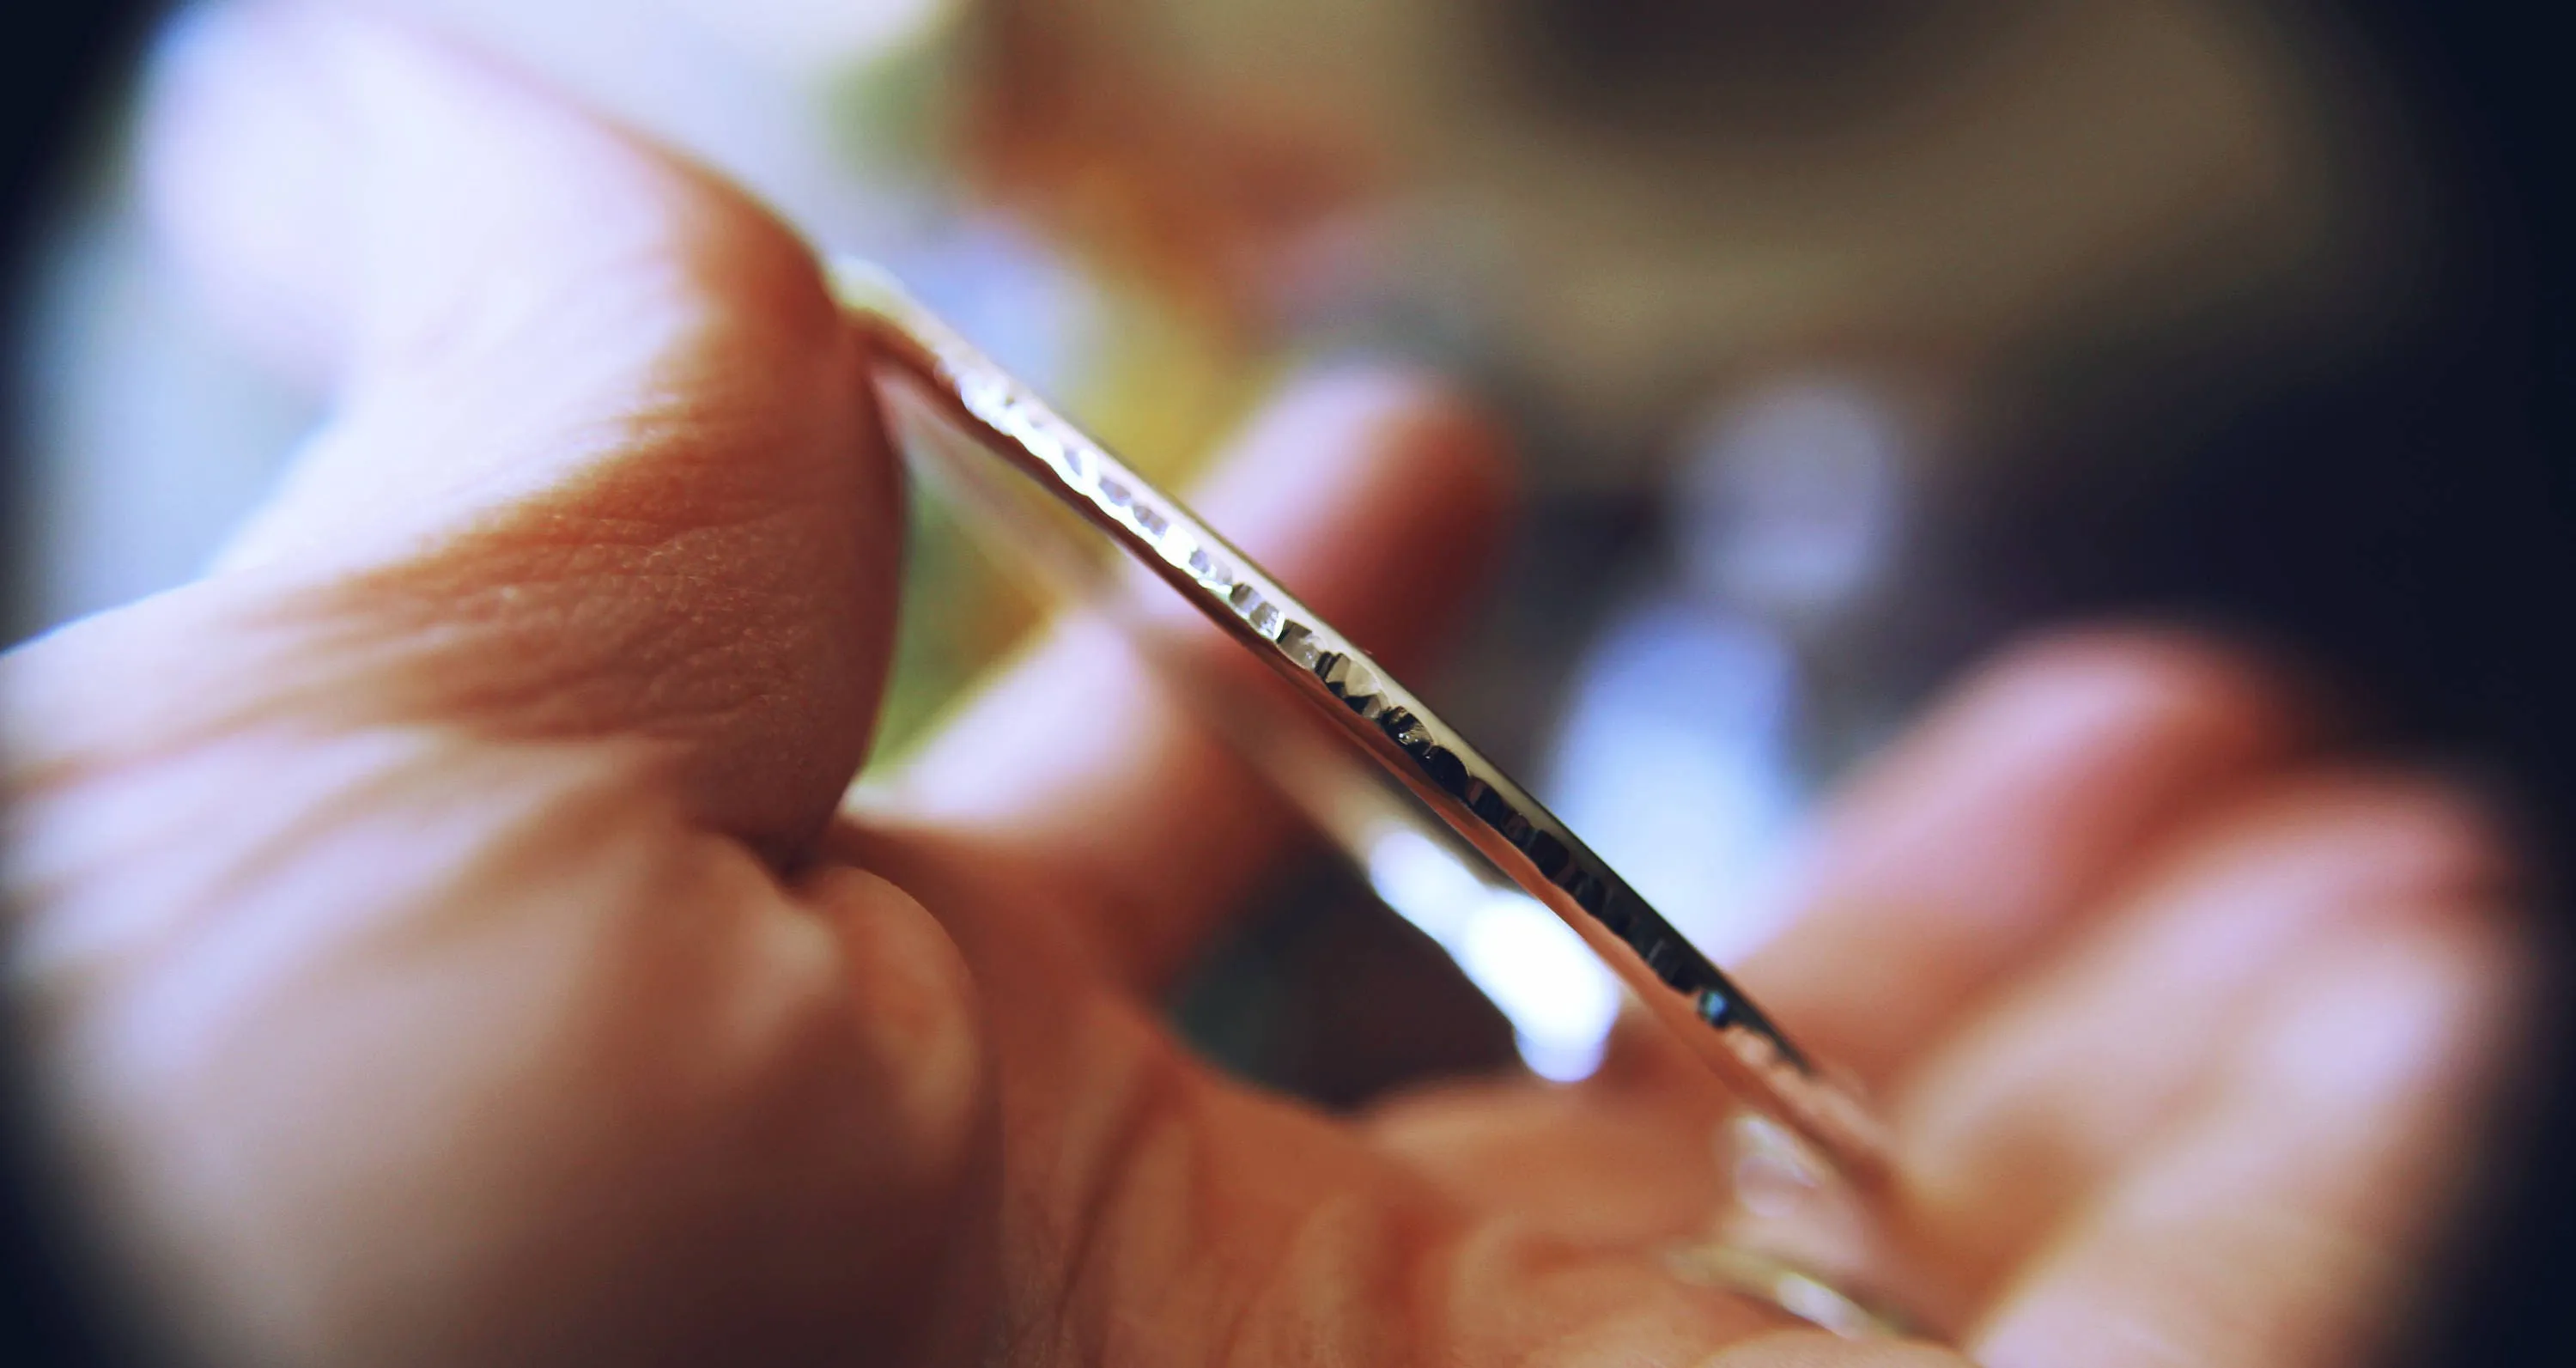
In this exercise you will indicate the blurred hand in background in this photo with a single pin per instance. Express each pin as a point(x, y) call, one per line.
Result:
point(445, 941)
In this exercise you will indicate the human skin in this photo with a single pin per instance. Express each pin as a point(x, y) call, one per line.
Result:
point(442, 936)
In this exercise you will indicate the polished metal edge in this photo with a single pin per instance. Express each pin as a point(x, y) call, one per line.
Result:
point(1474, 797)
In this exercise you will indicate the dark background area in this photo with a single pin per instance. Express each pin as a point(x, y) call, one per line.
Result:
point(57, 69)
point(2405, 521)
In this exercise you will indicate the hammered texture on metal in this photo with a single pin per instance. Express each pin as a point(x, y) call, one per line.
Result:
point(1524, 840)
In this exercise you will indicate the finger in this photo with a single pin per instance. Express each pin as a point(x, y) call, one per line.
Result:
point(401, 1015)
point(1964, 852)
point(2062, 1082)
point(2287, 1221)
point(1495, 1142)
point(1155, 1212)
point(1592, 1164)
point(602, 462)
point(1377, 498)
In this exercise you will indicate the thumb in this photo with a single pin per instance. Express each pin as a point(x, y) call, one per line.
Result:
point(602, 461)
point(399, 991)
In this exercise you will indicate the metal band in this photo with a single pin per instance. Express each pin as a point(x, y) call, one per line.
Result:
point(1527, 844)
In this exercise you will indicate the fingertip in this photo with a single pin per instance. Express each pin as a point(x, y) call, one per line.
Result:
point(2412, 1012)
point(2003, 820)
point(242, 144)
point(1439, 441)
point(349, 187)
point(1378, 492)
point(1457, 457)
point(2382, 839)
point(1402, 433)
point(603, 459)
point(2148, 686)
point(2072, 750)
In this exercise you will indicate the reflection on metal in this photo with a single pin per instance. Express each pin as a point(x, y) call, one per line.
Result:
point(1485, 808)
point(1676, 750)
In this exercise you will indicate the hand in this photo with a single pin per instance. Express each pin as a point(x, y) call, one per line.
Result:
point(443, 941)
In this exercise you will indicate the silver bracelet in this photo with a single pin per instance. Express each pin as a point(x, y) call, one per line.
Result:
point(1016, 446)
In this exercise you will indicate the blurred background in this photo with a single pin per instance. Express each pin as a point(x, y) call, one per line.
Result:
point(1843, 340)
